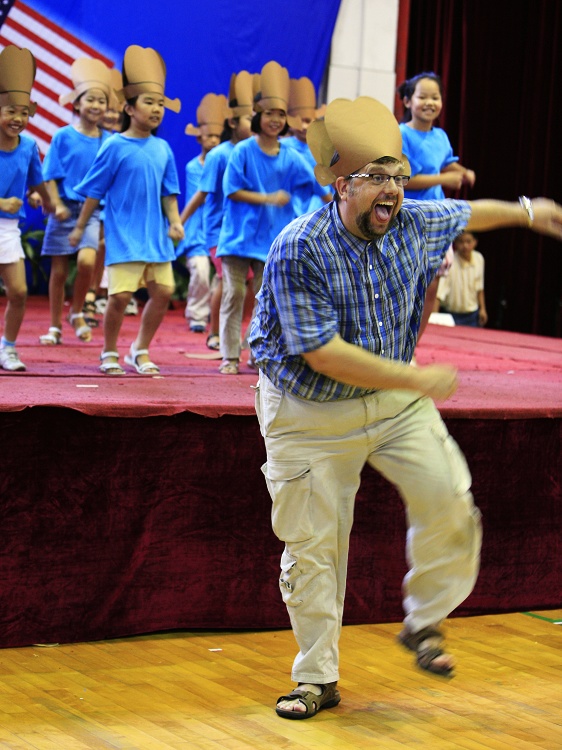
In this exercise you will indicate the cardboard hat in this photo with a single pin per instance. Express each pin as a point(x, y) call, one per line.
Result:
point(87, 73)
point(351, 135)
point(302, 99)
point(255, 88)
point(116, 102)
point(144, 72)
point(211, 114)
point(274, 91)
point(240, 94)
point(17, 73)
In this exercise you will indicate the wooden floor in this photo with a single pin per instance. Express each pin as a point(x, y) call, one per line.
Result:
point(208, 691)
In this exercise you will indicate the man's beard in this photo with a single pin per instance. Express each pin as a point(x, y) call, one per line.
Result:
point(364, 224)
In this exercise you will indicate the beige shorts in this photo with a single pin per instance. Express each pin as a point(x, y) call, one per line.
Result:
point(128, 277)
point(10, 241)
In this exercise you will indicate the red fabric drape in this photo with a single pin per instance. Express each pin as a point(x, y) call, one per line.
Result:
point(500, 65)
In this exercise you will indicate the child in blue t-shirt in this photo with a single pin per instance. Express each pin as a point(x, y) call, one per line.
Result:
point(434, 166)
point(71, 153)
point(211, 114)
point(262, 179)
point(20, 168)
point(135, 173)
point(209, 198)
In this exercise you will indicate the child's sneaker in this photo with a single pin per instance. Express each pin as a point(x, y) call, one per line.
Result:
point(132, 308)
point(9, 359)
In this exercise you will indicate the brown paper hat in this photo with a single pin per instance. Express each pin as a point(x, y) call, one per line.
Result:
point(116, 102)
point(255, 88)
point(302, 99)
point(17, 73)
point(240, 94)
point(274, 91)
point(351, 135)
point(144, 72)
point(87, 73)
point(211, 114)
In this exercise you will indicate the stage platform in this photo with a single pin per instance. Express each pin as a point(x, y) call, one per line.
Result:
point(137, 504)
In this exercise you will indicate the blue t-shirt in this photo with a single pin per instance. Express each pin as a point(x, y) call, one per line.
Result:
point(193, 242)
point(211, 183)
point(133, 174)
point(19, 169)
point(69, 157)
point(248, 230)
point(428, 153)
point(316, 199)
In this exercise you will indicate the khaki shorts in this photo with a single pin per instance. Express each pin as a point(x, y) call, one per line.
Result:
point(128, 277)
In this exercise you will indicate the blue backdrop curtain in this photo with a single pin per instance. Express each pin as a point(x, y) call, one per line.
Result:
point(202, 43)
point(500, 64)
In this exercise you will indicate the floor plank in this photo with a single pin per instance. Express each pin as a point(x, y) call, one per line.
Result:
point(216, 690)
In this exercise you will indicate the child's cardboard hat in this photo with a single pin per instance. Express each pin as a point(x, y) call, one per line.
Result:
point(211, 114)
point(17, 73)
point(144, 72)
point(116, 102)
point(274, 91)
point(240, 94)
point(302, 99)
point(87, 73)
point(351, 135)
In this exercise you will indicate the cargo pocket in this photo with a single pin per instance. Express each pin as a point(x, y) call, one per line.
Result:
point(289, 484)
point(460, 473)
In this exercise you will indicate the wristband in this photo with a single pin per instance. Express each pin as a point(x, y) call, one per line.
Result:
point(528, 206)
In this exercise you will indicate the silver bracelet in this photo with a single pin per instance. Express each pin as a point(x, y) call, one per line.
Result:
point(528, 206)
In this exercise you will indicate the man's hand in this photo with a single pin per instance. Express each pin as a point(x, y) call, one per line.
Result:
point(547, 217)
point(437, 381)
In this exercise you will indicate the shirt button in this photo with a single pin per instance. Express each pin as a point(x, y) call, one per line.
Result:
point(370, 268)
point(376, 296)
point(380, 324)
point(382, 351)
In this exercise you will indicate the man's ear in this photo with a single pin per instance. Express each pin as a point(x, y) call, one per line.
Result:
point(342, 185)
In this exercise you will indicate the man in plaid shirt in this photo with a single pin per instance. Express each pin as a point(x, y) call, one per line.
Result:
point(334, 333)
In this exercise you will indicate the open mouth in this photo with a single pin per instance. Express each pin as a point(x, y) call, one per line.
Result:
point(383, 211)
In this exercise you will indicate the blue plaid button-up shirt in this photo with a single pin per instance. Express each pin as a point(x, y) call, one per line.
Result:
point(321, 280)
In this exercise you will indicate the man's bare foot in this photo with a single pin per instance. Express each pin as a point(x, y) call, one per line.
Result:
point(296, 704)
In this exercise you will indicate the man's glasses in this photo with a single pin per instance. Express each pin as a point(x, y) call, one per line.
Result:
point(400, 180)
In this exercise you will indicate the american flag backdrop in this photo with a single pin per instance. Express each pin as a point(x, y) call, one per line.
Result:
point(54, 49)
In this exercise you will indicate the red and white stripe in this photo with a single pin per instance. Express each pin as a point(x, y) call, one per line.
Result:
point(54, 49)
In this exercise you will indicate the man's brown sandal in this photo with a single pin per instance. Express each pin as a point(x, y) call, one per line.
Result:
point(424, 645)
point(330, 697)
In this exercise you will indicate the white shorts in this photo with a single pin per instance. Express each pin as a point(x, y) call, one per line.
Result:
point(10, 241)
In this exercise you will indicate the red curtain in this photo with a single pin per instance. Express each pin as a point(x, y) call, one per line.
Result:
point(500, 65)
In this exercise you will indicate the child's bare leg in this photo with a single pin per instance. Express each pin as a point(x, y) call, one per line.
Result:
point(57, 280)
point(84, 267)
point(13, 275)
point(152, 315)
point(113, 319)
